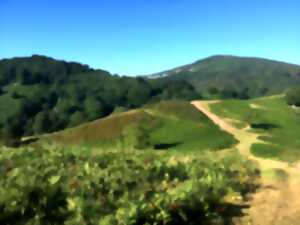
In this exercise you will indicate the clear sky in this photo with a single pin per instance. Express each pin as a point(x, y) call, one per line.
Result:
point(146, 36)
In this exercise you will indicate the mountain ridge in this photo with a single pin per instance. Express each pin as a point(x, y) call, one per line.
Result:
point(234, 75)
point(222, 56)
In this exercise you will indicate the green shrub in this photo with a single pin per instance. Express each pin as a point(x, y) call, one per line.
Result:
point(293, 96)
point(55, 186)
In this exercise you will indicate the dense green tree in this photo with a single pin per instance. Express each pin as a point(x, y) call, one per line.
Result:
point(139, 92)
point(264, 91)
point(42, 123)
point(179, 90)
point(213, 91)
point(293, 96)
point(65, 105)
point(229, 93)
point(76, 118)
point(75, 93)
point(23, 76)
point(16, 95)
point(93, 108)
point(28, 127)
point(12, 131)
point(243, 94)
point(59, 121)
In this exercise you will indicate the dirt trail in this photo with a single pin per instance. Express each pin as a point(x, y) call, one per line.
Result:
point(277, 202)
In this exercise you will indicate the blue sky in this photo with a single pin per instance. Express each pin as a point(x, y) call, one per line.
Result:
point(146, 36)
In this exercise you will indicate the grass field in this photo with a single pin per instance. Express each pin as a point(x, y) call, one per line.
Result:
point(278, 124)
point(167, 125)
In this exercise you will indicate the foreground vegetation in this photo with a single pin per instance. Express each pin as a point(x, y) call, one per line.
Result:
point(87, 186)
point(164, 126)
point(276, 121)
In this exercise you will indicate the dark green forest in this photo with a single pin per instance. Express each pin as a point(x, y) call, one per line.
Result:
point(41, 95)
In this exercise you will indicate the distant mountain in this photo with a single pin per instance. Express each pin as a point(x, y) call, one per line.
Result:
point(231, 75)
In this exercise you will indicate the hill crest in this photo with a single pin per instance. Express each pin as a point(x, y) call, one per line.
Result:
point(217, 58)
point(231, 76)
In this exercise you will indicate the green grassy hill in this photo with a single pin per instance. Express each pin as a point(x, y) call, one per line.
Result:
point(39, 95)
point(166, 125)
point(231, 76)
point(278, 124)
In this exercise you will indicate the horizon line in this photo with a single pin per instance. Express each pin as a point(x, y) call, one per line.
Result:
point(148, 74)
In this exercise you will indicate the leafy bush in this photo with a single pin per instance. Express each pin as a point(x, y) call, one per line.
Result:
point(56, 186)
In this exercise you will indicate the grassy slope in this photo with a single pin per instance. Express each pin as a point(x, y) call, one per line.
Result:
point(239, 73)
point(175, 125)
point(282, 123)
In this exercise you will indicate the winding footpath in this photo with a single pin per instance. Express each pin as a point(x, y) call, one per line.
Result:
point(277, 202)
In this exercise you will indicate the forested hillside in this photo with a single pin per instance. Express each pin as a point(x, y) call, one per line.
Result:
point(39, 95)
point(236, 77)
